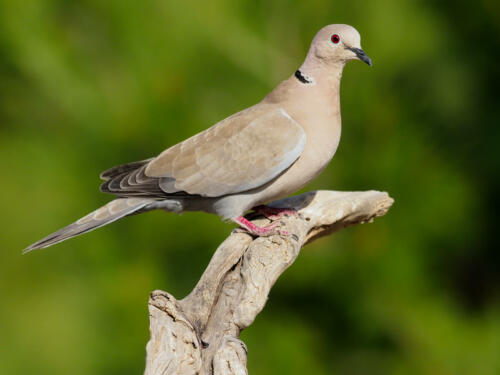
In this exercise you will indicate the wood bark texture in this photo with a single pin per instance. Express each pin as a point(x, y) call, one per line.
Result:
point(200, 333)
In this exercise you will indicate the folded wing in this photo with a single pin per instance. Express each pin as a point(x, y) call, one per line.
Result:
point(242, 152)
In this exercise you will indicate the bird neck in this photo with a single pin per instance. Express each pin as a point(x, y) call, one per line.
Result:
point(317, 72)
point(315, 84)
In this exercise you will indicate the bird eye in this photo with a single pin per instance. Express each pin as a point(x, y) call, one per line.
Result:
point(335, 38)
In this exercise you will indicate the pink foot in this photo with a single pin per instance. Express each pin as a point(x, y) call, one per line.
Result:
point(255, 230)
point(274, 213)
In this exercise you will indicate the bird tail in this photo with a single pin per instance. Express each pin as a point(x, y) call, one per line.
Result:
point(106, 214)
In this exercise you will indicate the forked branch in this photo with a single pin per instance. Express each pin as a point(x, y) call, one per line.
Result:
point(200, 333)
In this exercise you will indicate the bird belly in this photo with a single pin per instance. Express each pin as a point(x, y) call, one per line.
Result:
point(310, 164)
point(319, 150)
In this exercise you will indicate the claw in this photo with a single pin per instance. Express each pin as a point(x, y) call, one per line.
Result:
point(249, 227)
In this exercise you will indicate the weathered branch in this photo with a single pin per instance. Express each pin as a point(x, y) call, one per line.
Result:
point(199, 334)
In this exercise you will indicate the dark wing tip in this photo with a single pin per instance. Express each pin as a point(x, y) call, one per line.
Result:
point(123, 168)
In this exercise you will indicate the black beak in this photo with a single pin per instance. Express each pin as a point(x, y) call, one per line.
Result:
point(361, 55)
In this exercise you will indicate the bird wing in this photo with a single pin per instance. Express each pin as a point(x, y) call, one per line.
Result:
point(240, 153)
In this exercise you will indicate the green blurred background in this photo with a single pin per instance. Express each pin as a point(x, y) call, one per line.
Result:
point(88, 84)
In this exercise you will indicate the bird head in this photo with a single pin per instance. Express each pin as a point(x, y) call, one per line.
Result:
point(335, 44)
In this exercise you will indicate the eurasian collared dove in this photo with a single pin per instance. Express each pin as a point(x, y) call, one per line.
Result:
point(260, 154)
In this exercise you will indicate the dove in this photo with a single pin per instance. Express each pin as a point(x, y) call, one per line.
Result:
point(260, 154)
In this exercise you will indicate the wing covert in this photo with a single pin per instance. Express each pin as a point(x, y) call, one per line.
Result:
point(240, 153)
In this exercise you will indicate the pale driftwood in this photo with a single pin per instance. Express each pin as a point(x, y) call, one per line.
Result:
point(199, 334)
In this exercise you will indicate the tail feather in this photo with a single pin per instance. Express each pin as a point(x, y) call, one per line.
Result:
point(106, 214)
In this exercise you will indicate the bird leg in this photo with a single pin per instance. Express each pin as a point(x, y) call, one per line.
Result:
point(274, 213)
point(249, 227)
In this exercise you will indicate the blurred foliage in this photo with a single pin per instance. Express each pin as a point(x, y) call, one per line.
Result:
point(88, 84)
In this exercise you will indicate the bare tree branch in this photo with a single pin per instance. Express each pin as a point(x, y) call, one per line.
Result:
point(199, 334)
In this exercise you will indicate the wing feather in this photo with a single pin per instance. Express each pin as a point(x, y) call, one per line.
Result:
point(243, 152)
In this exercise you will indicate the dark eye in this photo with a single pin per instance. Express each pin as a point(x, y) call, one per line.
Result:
point(335, 38)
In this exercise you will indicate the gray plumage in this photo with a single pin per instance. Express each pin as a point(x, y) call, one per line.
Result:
point(260, 154)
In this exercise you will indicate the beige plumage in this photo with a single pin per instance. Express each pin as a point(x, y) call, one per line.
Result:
point(260, 154)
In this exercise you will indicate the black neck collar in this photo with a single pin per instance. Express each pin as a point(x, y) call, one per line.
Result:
point(302, 78)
